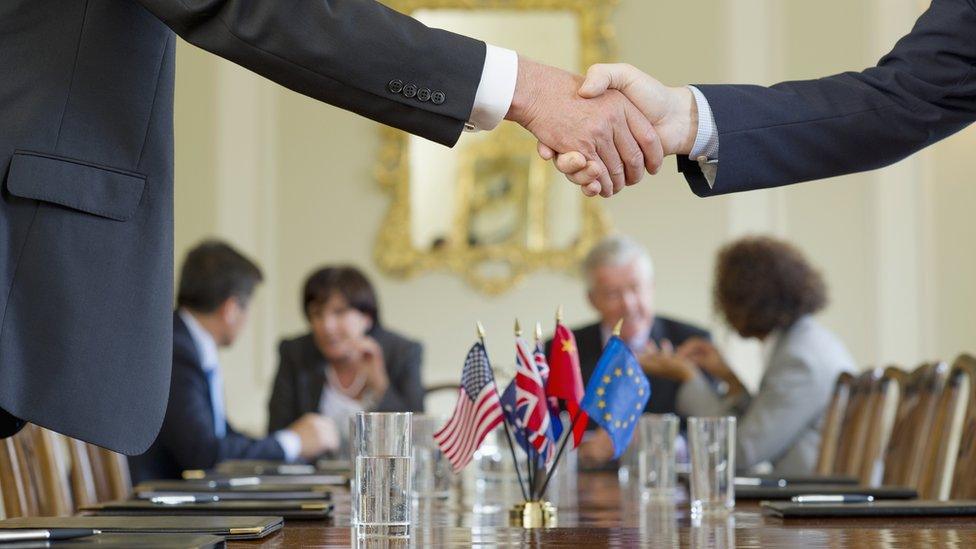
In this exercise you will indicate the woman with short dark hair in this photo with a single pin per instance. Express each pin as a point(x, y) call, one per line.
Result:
point(766, 289)
point(348, 362)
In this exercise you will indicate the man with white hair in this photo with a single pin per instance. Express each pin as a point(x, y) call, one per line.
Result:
point(620, 285)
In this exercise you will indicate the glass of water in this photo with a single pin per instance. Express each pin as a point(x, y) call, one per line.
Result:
point(383, 451)
point(712, 441)
point(431, 470)
point(656, 456)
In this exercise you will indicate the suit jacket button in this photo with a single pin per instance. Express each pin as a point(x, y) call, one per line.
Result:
point(437, 97)
point(410, 90)
point(423, 94)
point(395, 85)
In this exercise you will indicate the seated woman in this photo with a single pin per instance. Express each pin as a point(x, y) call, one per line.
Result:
point(348, 362)
point(765, 289)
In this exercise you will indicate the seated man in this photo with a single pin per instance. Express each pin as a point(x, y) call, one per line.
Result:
point(620, 285)
point(766, 289)
point(216, 284)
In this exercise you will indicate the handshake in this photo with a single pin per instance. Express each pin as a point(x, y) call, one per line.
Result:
point(603, 131)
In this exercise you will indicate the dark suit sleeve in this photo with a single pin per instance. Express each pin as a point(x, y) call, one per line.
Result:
point(188, 435)
point(919, 93)
point(406, 392)
point(282, 407)
point(342, 52)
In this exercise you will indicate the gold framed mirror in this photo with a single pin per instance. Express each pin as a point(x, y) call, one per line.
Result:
point(490, 209)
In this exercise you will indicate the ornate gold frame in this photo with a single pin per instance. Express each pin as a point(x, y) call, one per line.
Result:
point(394, 252)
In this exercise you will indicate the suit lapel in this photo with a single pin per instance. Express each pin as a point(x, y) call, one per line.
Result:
point(315, 376)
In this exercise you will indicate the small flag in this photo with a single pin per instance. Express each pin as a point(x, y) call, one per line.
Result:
point(531, 408)
point(477, 412)
point(617, 393)
point(555, 424)
point(565, 379)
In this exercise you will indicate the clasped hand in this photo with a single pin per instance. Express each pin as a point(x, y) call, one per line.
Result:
point(603, 131)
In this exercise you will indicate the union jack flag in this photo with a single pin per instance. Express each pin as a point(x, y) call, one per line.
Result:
point(542, 365)
point(532, 412)
point(477, 412)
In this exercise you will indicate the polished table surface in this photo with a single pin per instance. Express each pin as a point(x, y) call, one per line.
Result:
point(598, 511)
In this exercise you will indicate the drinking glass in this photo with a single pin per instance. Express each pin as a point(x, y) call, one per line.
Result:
point(712, 441)
point(383, 453)
point(656, 456)
point(431, 470)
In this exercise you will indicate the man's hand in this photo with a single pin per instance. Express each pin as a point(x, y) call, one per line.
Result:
point(317, 433)
point(672, 112)
point(663, 362)
point(608, 131)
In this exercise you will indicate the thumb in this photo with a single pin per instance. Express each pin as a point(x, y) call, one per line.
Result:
point(604, 76)
point(545, 152)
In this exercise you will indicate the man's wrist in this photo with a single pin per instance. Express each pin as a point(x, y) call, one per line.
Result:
point(529, 74)
point(686, 110)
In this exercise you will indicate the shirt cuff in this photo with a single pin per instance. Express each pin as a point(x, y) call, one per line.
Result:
point(290, 443)
point(705, 149)
point(495, 92)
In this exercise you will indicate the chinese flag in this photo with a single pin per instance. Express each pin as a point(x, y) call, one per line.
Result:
point(565, 379)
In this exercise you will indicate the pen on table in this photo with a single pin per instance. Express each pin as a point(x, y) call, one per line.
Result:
point(46, 534)
point(847, 498)
point(177, 500)
point(754, 481)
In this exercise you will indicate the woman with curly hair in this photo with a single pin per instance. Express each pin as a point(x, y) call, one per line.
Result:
point(766, 289)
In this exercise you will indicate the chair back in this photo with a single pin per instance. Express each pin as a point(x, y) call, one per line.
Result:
point(50, 467)
point(963, 483)
point(914, 437)
point(948, 428)
point(82, 475)
point(833, 421)
point(884, 407)
point(16, 491)
point(864, 406)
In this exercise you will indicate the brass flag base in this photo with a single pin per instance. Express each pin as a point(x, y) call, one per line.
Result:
point(533, 514)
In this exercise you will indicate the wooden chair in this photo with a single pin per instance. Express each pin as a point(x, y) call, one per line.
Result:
point(963, 485)
point(865, 410)
point(883, 404)
point(82, 475)
point(913, 437)
point(112, 469)
point(957, 403)
point(833, 422)
point(50, 471)
point(18, 496)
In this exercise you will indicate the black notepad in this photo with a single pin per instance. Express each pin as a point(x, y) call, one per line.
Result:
point(789, 491)
point(237, 527)
point(128, 541)
point(807, 479)
point(229, 495)
point(291, 510)
point(217, 485)
point(887, 508)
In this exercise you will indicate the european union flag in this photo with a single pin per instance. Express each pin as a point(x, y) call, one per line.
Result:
point(617, 393)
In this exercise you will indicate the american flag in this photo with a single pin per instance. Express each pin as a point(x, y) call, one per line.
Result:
point(477, 412)
point(531, 402)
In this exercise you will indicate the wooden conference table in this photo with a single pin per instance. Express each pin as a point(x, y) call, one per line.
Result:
point(602, 513)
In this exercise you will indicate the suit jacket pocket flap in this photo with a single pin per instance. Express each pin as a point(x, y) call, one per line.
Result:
point(98, 190)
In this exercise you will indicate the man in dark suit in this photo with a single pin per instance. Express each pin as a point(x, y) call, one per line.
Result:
point(732, 138)
point(216, 284)
point(86, 168)
point(620, 278)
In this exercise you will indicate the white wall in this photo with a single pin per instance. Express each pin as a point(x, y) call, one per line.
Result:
point(289, 181)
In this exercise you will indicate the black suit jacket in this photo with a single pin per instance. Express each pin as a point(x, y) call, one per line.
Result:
point(919, 93)
point(86, 174)
point(301, 377)
point(187, 440)
point(664, 392)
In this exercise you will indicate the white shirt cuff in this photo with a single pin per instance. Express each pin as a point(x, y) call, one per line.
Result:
point(290, 443)
point(497, 87)
point(705, 149)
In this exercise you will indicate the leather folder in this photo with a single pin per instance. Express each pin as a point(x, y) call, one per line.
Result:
point(290, 510)
point(884, 508)
point(236, 527)
point(790, 491)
